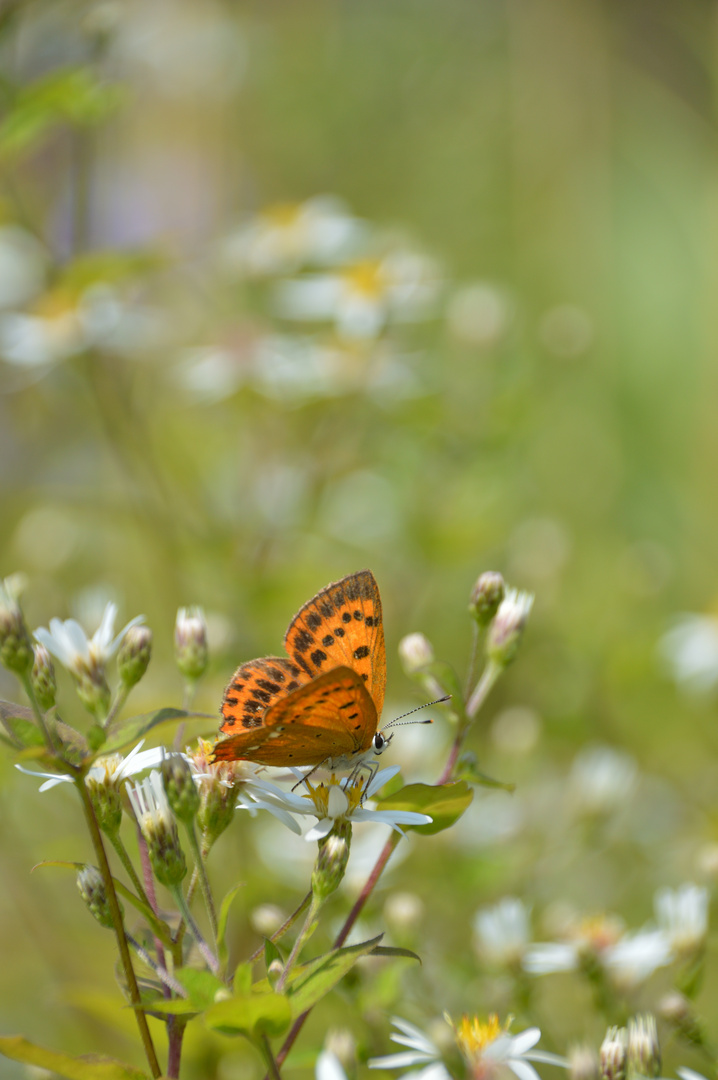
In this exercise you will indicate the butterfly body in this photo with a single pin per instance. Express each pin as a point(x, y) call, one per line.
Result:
point(319, 705)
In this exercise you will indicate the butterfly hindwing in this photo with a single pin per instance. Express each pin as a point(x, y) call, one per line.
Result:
point(328, 718)
point(342, 626)
point(254, 688)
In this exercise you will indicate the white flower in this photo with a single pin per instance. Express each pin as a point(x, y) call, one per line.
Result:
point(601, 779)
point(329, 1067)
point(689, 1074)
point(502, 931)
point(339, 799)
point(690, 651)
point(485, 1045)
point(682, 915)
point(507, 626)
point(628, 958)
point(363, 296)
point(149, 802)
point(283, 238)
point(112, 767)
point(69, 644)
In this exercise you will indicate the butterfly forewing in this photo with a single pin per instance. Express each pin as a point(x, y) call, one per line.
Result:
point(342, 626)
point(254, 688)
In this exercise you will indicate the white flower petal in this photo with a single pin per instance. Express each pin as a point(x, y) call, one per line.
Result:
point(329, 1067)
point(320, 830)
point(381, 778)
point(522, 1069)
point(400, 1061)
point(524, 1040)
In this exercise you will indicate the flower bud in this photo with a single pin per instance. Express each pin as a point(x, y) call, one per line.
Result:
point(219, 786)
point(104, 790)
point(332, 860)
point(159, 829)
point(613, 1055)
point(507, 627)
point(644, 1052)
point(134, 656)
point(275, 972)
point(191, 642)
point(93, 892)
point(43, 678)
point(416, 653)
point(15, 647)
point(582, 1063)
point(677, 1010)
point(93, 691)
point(486, 596)
point(180, 788)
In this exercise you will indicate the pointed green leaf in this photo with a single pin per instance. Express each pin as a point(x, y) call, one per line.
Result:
point(309, 983)
point(87, 1067)
point(222, 951)
point(444, 804)
point(250, 1015)
point(394, 950)
point(271, 953)
point(125, 732)
point(96, 737)
point(174, 1007)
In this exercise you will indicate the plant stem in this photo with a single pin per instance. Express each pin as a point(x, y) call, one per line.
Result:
point(161, 972)
point(123, 692)
point(302, 937)
point(203, 881)
point(175, 1030)
point(283, 928)
point(272, 1066)
point(488, 677)
point(472, 658)
point(28, 688)
point(188, 917)
point(124, 858)
point(118, 924)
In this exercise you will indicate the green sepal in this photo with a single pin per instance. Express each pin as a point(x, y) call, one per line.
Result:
point(251, 1015)
point(444, 804)
point(97, 737)
point(222, 950)
point(271, 953)
point(242, 981)
point(202, 986)
point(87, 1067)
point(467, 769)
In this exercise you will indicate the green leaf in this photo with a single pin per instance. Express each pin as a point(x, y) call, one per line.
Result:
point(394, 950)
point(175, 1007)
point(27, 731)
point(251, 1015)
point(222, 951)
point(202, 986)
point(309, 983)
point(445, 804)
point(87, 1067)
point(124, 732)
point(96, 737)
point(242, 982)
point(467, 769)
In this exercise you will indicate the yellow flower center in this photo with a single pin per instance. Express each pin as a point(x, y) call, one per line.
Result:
point(333, 800)
point(597, 932)
point(366, 278)
point(283, 215)
point(474, 1035)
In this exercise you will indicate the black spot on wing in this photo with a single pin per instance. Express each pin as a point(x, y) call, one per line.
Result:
point(314, 621)
point(361, 652)
point(318, 657)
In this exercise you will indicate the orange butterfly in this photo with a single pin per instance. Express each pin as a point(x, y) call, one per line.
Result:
point(321, 704)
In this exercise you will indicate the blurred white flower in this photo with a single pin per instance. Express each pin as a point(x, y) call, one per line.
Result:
point(362, 297)
point(329, 1067)
point(682, 915)
point(23, 262)
point(503, 932)
point(283, 238)
point(601, 779)
point(636, 956)
point(479, 314)
point(50, 332)
point(690, 652)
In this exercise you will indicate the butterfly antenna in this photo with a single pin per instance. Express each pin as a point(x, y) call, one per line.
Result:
point(399, 720)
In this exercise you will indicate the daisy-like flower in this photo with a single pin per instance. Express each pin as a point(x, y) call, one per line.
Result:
point(627, 958)
point(601, 779)
point(283, 238)
point(503, 932)
point(85, 658)
point(362, 297)
point(485, 1045)
point(335, 801)
point(113, 768)
point(682, 915)
point(223, 786)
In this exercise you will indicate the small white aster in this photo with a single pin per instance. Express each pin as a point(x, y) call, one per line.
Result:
point(112, 767)
point(502, 931)
point(337, 800)
point(682, 915)
point(68, 642)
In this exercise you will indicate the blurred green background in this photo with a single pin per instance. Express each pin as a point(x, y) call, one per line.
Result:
point(172, 431)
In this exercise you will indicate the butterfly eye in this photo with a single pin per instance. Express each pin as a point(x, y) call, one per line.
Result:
point(380, 742)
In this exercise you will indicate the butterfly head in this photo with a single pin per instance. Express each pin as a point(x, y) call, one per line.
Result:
point(380, 742)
